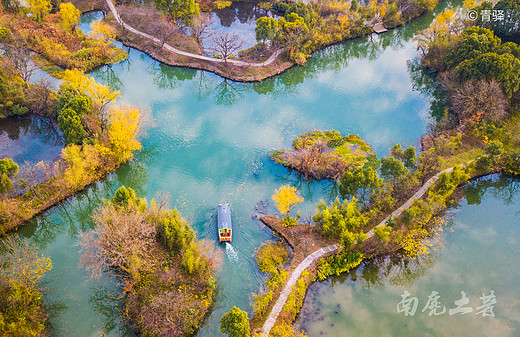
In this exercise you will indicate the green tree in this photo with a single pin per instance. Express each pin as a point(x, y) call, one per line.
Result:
point(125, 196)
point(504, 68)
point(293, 31)
point(70, 124)
point(475, 42)
point(179, 10)
point(410, 157)
point(494, 148)
point(372, 161)
point(266, 29)
point(235, 323)
point(361, 183)
point(69, 98)
point(340, 219)
point(8, 168)
point(392, 168)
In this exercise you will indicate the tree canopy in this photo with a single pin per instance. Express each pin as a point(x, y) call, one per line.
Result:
point(392, 168)
point(179, 10)
point(235, 323)
point(286, 197)
point(8, 168)
point(69, 122)
point(266, 29)
point(40, 8)
point(69, 15)
point(359, 183)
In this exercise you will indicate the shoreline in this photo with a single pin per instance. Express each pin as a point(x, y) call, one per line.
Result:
point(238, 73)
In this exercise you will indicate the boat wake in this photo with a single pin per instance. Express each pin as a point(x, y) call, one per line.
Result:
point(231, 252)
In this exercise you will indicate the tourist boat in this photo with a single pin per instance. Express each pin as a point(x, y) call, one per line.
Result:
point(225, 230)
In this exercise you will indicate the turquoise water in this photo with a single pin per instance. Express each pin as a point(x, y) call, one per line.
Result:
point(479, 254)
point(209, 143)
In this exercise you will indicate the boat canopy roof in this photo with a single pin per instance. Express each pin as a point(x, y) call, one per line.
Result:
point(224, 216)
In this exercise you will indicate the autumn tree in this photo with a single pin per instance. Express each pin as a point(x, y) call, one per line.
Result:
point(21, 307)
point(8, 168)
point(16, 51)
point(235, 323)
point(81, 84)
point(286, 197)
point(40, 8)
point(123, 128)
point(69, 16)
point(180, 11)
point(102, 32)
point(226, 44)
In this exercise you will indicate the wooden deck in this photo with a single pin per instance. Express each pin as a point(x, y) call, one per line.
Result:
point(379, 28)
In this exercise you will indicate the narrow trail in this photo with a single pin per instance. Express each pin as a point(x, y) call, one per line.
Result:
point(409, 202)
point(184, 53)
point(280, 302)
point(269, 323)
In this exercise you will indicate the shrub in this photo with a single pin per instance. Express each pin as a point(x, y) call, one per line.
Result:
point(271, 256)
point(337, 264)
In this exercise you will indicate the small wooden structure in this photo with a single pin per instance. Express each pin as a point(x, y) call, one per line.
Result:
point(379, 28)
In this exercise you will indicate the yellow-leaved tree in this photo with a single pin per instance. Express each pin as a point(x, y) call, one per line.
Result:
point(69, 16)
point(83, 84)
point(124, 123)
point(102, 32)
point(39, 8)
point(286, 197)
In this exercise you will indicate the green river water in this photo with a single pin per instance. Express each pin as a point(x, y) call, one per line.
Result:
point(209, 143)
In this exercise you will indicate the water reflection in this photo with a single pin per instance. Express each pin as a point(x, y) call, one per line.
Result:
point(240, 19)
point(499, 186)
point(32, 139)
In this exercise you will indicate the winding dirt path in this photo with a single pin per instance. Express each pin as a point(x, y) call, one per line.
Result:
point(184, 53)
point(280, 302)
